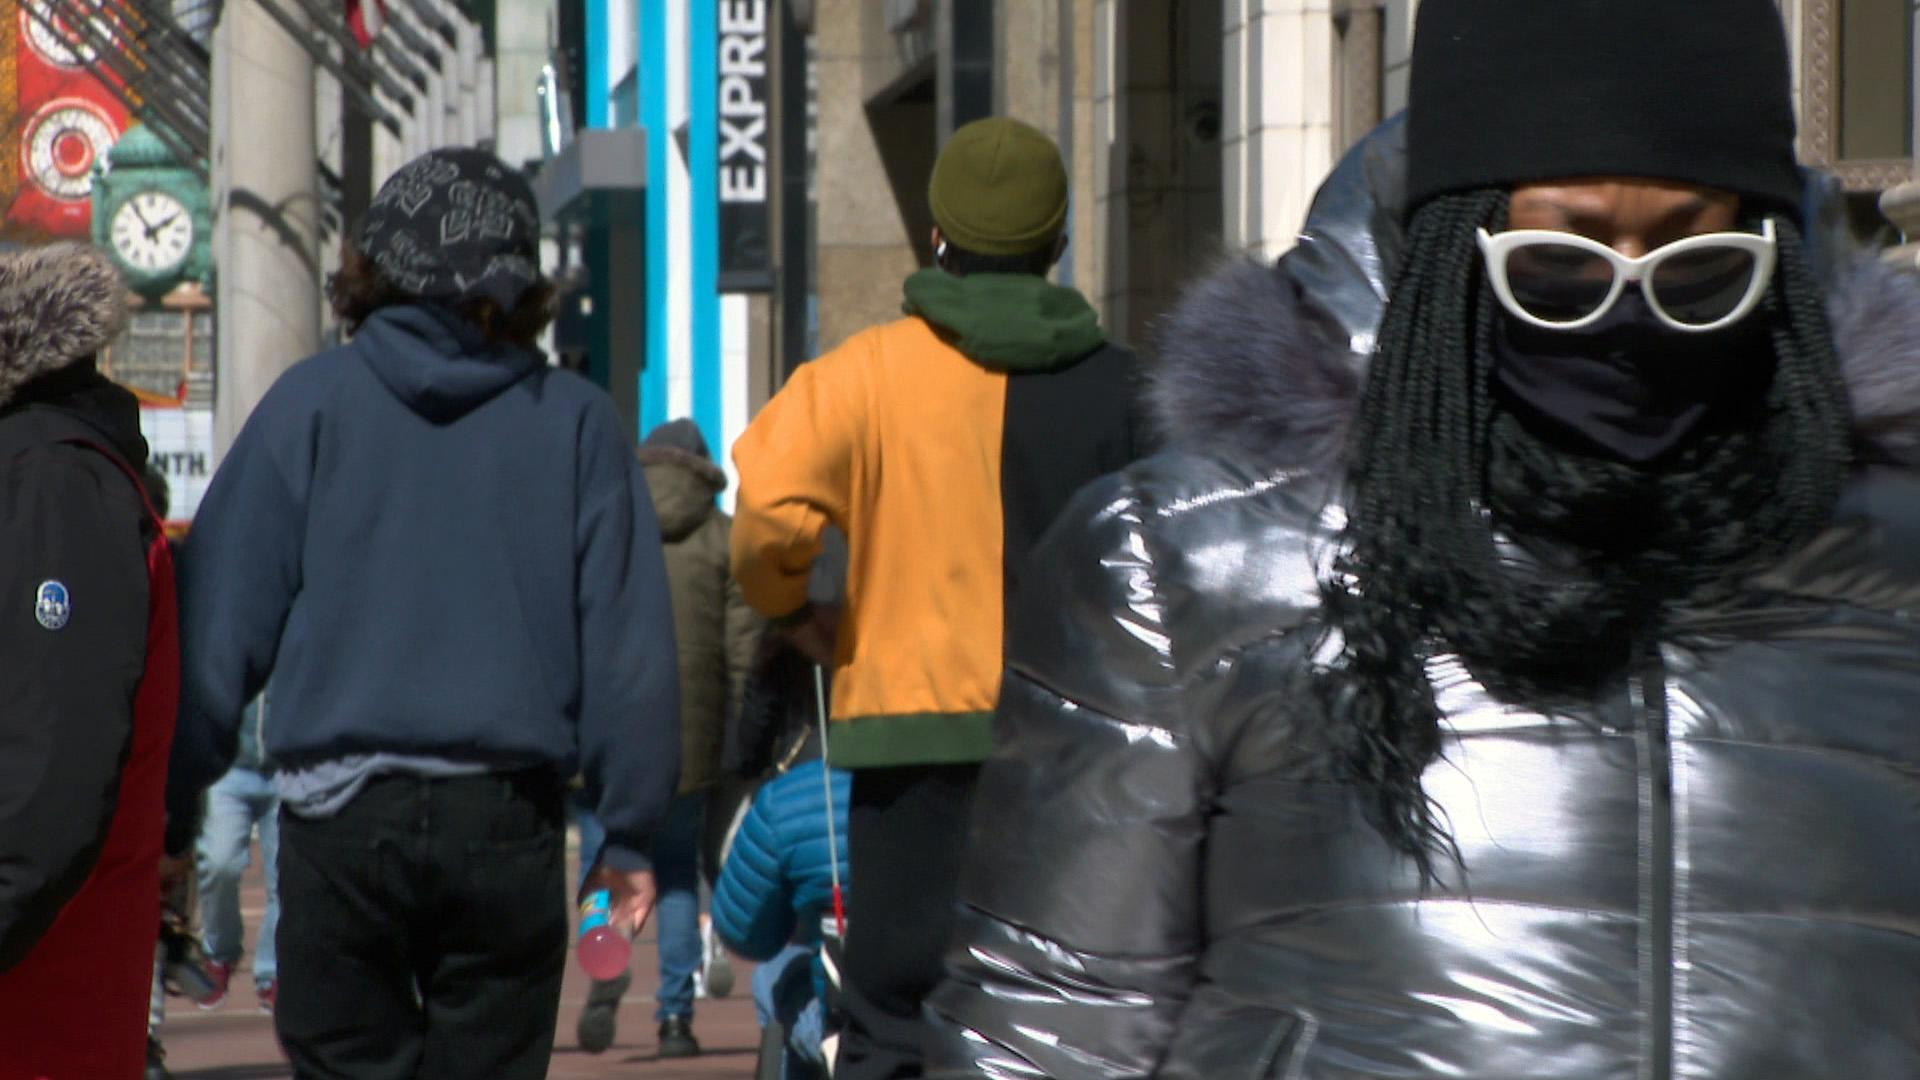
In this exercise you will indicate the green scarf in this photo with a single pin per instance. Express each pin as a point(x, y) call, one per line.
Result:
point(1008, 322)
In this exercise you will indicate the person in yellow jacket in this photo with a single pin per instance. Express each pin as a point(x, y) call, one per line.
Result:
point(943, 443)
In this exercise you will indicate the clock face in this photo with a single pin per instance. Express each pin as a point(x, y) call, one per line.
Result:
point(64, 49)
point(152, 231)
point(61, 145)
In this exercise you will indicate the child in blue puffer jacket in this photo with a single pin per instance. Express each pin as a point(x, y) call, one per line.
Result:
point(774, 902)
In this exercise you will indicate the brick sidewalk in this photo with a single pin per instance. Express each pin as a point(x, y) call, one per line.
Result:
point(236, 1042)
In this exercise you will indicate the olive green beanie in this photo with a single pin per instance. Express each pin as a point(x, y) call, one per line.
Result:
point(999, 188)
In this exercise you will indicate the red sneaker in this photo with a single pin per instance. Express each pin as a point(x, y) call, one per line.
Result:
point(219, 975)
point(266, 992)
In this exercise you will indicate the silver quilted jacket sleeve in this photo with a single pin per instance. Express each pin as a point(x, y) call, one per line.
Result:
point(1080, 908)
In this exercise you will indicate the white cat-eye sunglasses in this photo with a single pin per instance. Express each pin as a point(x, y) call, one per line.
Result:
point(1562, 281)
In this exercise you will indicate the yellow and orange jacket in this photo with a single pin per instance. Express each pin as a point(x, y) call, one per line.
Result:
point(942, 444)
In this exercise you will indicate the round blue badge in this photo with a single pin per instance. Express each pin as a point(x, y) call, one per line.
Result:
point(52, 605)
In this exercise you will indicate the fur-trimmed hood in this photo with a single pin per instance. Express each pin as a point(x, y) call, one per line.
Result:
point(683, 485)
point(58, 304)
point(1267, 362)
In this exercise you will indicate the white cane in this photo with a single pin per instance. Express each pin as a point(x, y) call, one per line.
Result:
point(830, 1047)
point(826, 782)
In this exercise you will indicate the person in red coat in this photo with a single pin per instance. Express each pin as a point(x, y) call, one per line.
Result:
point(89, 681)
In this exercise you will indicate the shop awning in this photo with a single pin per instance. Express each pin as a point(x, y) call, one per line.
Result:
point(598, 179)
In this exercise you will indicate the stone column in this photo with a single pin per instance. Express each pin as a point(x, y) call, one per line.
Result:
point(521, 33)
point(863, 247)
point(267, 210)
point(1279, 128)
point(1044, 74)
point(1163, 180)
point(1107, 147)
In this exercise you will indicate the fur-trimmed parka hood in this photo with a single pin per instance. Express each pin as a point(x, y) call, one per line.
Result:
point(1267, 362)
point(684, 485)
point(58, 304)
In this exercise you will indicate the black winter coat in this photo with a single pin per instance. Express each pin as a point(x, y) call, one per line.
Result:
point(73, 530)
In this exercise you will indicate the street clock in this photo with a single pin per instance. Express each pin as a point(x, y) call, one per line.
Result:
point(152, 233)
point(152, 215)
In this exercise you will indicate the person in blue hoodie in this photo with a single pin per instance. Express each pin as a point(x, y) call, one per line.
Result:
point(443, 553)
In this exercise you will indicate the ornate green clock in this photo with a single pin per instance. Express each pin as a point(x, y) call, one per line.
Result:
point(153, 215)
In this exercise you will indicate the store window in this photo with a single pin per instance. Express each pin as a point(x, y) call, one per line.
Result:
point(1857, 60)
point(1875, 79)
point(166, 352)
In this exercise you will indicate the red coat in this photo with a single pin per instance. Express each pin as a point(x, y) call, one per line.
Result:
point(75, 1007)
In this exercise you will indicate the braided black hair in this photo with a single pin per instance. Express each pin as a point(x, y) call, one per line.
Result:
point(1441, 481)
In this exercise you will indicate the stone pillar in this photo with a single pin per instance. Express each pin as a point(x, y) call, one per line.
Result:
point(522, 30)
point(1279, 128)
point(1108, 149)
point(1027, 52)
point(267, 210)
point(1044, 74)
point(863, 246)
point(1088, 260)
point(1162, 132)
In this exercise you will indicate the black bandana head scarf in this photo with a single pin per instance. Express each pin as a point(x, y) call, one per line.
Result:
point(455, 225)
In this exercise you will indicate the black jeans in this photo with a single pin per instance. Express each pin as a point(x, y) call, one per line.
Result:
point(906, 840)
point(423, 930)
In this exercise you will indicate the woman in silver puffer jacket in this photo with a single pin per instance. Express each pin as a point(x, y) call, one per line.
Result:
point(1299, 777)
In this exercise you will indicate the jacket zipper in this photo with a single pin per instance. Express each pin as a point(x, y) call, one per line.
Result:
point(1648, 687)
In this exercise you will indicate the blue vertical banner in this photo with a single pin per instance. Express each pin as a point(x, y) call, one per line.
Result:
point(597, 81)
point(703, 160)
point(651, 23)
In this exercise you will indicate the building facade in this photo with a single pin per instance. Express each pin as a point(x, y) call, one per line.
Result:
point(785, 146)
point(676, 306)
point(1197, 130)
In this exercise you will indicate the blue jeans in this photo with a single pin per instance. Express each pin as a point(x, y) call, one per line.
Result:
point(242, 801)
point(676, 873)
point(783, 990)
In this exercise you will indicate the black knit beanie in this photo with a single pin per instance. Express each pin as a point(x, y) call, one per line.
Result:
point(1511, 91)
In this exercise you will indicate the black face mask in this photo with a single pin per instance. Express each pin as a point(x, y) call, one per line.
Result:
point(1630, 387)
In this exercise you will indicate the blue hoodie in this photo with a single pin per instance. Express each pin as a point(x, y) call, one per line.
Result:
point(436, 546)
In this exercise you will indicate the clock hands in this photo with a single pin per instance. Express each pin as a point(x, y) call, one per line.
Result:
point(158, 232)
